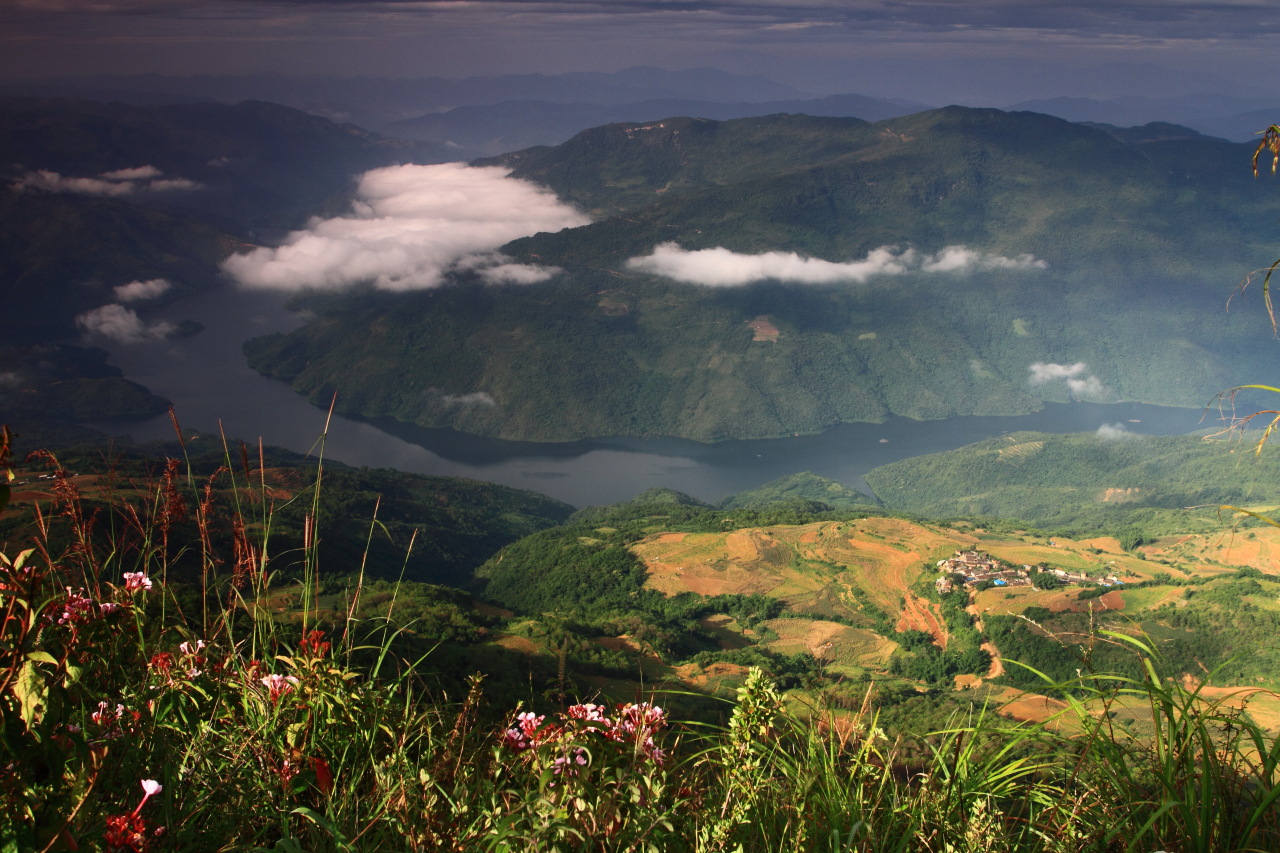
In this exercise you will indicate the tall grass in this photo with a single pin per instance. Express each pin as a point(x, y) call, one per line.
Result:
point(139, 717)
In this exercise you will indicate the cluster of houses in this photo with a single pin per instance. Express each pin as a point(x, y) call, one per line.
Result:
point(968, 568)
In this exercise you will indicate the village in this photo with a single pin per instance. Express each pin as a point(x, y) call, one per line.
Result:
point(969, 569)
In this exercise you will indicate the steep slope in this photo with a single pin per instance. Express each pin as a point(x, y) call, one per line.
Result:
point(1105, 261)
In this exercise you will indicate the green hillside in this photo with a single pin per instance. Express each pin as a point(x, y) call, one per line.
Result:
point(1086, 481)
point(379, 522)
point(1143, 237)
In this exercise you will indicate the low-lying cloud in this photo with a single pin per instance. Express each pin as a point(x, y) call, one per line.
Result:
point(120, 182)
point(138, 291)
point(122, 324)
point(409, 227)
point(720, 267)
point(1114, 432)
point(475, 398)
point(1080, 383)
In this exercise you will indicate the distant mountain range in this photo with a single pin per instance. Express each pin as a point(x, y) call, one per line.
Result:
point(1049, 261)
point(491, 129)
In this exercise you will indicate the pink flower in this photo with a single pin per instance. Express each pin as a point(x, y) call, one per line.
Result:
point(524, 733)
point(135, 581)
point(188, 649)
point(77, 609)
point(564, 765)
point(279, 685)
point(150, 787)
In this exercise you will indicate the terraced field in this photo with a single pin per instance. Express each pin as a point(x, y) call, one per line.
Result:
point(844, 569)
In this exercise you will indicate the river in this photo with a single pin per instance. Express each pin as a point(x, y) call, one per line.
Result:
point(206, 378)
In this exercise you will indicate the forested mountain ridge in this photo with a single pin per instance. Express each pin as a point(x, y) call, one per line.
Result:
point(1107, 261)
point(95, 195)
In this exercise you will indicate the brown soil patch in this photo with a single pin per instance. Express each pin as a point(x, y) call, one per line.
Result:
point(1262, 705)
point(810, 537)
point(490, 610)
point(619, 644)
point(672, 537)
point(967, 682)
point(1030, 707)
point(742, 546)
point(1113, 600)
point(719, 677)
point(997, 663)
point(518, 644)
point(921, 615)
point(763, 329)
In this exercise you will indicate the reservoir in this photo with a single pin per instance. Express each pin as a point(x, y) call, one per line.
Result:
point(206, 378)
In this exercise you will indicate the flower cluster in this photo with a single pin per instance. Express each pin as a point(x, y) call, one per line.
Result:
point(313, 644)
point(136, 582)
point(76, 610)
point(634, 724)
point(115, 722)
point(525, 733)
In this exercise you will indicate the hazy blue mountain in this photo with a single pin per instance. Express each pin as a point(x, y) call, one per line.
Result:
point(491, 129)
point(375, 102)
point(1228, 116)
point(1136, 246)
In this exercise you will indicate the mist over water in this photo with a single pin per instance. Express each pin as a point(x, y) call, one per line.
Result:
point(206, 377)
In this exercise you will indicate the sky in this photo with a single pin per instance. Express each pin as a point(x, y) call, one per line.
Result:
point(964, 51)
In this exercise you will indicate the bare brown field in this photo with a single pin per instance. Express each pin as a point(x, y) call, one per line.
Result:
point(1263, 706)
point(1026, 707)
point(517, 644)
point(921, 615)
point(718, 678)
point(1257, 548)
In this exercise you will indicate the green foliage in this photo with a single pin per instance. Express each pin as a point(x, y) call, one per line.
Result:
point(805, 492)
point(244, 715)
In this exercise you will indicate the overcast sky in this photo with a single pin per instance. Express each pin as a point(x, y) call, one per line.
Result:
point(930, 50)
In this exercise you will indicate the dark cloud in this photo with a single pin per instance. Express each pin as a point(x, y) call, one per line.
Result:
point(448, 38)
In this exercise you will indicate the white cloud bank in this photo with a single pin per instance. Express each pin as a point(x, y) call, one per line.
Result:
point(409, 226)
point(721, 267)
point(120, 182)
point(1080, 383)
point(138, 291)
point(122, 324)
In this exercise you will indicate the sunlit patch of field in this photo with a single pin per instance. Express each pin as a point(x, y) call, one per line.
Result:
point(825, 563)
point(1228, 551)
point(1262, 706)
point(1030, 707)
point(1137, 600)
point(1016, 600)
point(1020, 452)
point(726, 630)
point(718, 678)
point(524, 645)
point(1063, 600)
point(831, 642)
